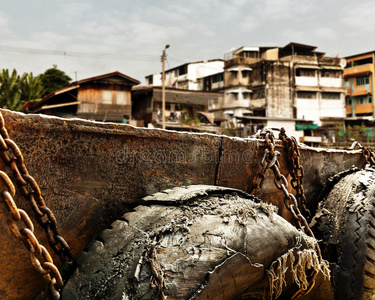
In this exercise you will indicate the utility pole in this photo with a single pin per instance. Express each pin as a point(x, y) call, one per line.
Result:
point(163, 85)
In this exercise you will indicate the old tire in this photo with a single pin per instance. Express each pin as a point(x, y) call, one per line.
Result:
point(345, 222)
point(195, 242)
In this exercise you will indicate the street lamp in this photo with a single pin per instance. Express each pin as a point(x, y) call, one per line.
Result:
point(163, 86)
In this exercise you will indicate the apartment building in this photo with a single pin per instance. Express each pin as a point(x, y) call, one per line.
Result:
point(293, 86)
point(202, 75)
point(359, 86)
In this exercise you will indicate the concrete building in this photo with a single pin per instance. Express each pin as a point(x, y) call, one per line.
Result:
point(275, 86)
point(359, 86)
point(190, 76)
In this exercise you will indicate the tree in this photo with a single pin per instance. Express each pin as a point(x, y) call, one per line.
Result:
point(53, 79)
point(10, 89)
point(32, 88)
point(16, 90)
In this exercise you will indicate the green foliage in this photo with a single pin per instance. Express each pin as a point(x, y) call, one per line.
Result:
point(353, 133)
point(32, 88)
point(16, 90)
point(53, 79)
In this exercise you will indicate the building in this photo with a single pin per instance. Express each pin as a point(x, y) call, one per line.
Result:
point(104, 97)
point(211, 83)
point(190, 76)
point(185, 109)
point(274, 86)
point(359, 86)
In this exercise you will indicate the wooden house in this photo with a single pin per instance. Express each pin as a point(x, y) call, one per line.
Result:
point(105, 97)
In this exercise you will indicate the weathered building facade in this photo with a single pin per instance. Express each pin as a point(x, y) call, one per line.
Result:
point(294, 82)
point(190, 76)
point(105, 97)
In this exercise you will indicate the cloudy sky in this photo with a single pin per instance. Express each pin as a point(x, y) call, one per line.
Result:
point(91, 37)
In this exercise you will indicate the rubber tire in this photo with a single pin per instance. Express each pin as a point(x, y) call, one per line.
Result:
point(345, 222)
point(106, 270)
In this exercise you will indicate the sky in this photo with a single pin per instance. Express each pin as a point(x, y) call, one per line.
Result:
point(92, 37)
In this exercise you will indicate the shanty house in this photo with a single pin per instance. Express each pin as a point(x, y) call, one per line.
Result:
point(104, 97)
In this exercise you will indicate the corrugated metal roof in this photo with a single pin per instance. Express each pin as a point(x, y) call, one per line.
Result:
point(106, 75)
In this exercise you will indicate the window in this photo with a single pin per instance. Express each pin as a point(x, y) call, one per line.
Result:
point(347, 83)
point(330, 73)
point(217, 78)
point(362, 80)
point(121, 98)
point(107, 97)
point(331, 96)
point(363, 100)
point(249, 54)
point(259, 94)
point(348, 101)
point(359, 100)
point(182, 70)
point(306, 95)
point(361, 62)
point(305, 72)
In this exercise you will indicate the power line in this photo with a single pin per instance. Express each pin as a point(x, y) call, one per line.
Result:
point(114, 56)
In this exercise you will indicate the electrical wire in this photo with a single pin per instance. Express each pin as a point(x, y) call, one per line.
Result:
point(114, 56)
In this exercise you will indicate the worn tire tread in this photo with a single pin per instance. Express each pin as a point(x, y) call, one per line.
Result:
point(352, 232)
point(97, 271)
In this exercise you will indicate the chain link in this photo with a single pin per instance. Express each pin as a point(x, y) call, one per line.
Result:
point(22, 228)
point(18, 220)
point(295, 169)
point(293, 205)
point(367, 153)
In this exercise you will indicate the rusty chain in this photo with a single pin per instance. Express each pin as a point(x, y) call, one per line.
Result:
point(293, 205)
point(13, 158)
point(295, 169)
point(367, 153)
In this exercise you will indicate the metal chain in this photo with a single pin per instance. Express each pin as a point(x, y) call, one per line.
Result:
point(31, 191)
point(37, 252)
point(12, 157)
point(295, 169)
point(270, 161)
point(367, 153)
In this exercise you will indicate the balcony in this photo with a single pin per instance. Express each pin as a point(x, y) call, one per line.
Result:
point(363, 108)
point(331, 82)
point(258, 103)
point(359, 70)
point(358, 90)
point(240, 61)
point(306, 81)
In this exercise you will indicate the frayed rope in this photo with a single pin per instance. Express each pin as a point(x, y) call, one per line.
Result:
point(299, 261)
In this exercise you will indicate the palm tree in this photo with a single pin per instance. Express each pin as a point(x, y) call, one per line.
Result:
point(16, 90)
point(31, 88)
point(10, 91)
